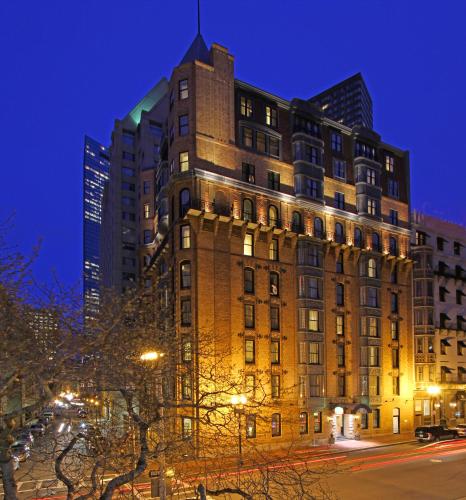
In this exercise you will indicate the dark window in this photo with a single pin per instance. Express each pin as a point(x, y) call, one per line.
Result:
point(185, 274)
point(371, 176)
point(274, 287)
point(365, 150)
point(247, 137)
point(394, 275)
point(249, 173)
point(274, 147)
point(396, 386)
point(146, 187)
point(260, 142)
point(183, 91)
point(276, 424)
point(394, 303)
point(340, 294)
point(186, 311)
point(394, 329)
point(393, 190)
point(273, 181)
point(358, 239)
point(275, 318)
point(303, 423)
point(183, 125)
point(339, 200)
point(339, 264)
point(250, 426)
point(341, 385)
point(249, 316)
point(128, 186)
point(248, 280)
point(147, 236)
point(318, 228)
point(393, 246)
point(185, 202)
point(376, 418)
point(339, 169)
point(296, 223)
point(459, 297)
point(457, 248)
point(186, 386)
point(336, 142)
point(440, 242)
point(340, 355)
point(128, 156)
point(395, 358)
point(375, 242)
point(339, 233)
point(394, 217)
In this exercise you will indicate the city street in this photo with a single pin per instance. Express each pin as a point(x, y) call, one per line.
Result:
point(410, 470)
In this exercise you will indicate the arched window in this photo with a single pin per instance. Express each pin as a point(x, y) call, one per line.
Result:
point(372, 268)
point(340, 294)
point(339, 266)
point(375, 242)
point(185, 202)
point(248, 280)
point(274, 285)
point(248, 210)
point(273, 216)
point(339, 233)
point(393, 246)
point(358, 242)
point(318, 228)
point(185, 274)
point(296, 223)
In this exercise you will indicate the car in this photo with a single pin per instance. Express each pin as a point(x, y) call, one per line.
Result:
point(434, 433)
point(82, 413)
point(461, 429)
point(25, 435)
point(37, 428)
point(48, 414)
point(15, 464)
point(20, 450)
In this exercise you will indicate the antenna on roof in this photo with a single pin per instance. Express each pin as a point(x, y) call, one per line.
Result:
point(198, 17)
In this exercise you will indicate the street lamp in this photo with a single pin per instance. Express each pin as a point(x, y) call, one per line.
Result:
point(154, 356)
point(238, 401)
point(434, 391)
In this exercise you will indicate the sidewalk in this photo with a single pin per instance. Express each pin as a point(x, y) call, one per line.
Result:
point(374, 442)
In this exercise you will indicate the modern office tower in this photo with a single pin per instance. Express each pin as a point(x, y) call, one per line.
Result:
point(285, 234)
point(128, 234)
point(95, 175)
point(347, 102)
point(439, 288)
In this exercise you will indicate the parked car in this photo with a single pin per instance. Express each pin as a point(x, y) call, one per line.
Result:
point(44, 420)
point(48, 414)
point(25, 435)
point(461, 429)
point(82, 413)
point(15, 465)
point(20, 450)
point(434, 433)
point(37, 428)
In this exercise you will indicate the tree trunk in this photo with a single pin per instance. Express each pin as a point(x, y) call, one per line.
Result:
point(8, 479)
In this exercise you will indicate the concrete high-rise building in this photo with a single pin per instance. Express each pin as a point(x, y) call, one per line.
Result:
point(96, 169)
point(439, 293)
point(347, 102)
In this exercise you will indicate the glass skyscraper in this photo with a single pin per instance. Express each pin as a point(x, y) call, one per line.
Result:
point(95, 175)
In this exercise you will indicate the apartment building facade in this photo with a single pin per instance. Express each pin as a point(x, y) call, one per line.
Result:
point(439, 289)
point(286, 235)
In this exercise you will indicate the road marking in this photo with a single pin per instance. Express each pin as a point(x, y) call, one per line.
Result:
point(436, 460)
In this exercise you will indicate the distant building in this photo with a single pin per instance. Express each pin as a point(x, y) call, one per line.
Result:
point(439, 297)
point(347, 102)
point(96, 169)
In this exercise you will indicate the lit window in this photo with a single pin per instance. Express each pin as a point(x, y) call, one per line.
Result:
point(249, 351)
point(313, 320)
point(275, 386)
point(314, 353)
point(248, 173)
point(303, 423)
point(370, 176)
point(249, 316)
point(371, 206)
point(187, 427)
point(340, 324)
point(183, 90)
point(250, 426)
point(275, 352)
point(184, 161)
point(246, 107)
point(273, 249)
point(270, 116)
point(146, 211)
point(372, 268)
point(389, 163)
point(276, 425)
point(186, 351)
point(273, 216)
point(274, 284)
point(248, 210)
point(186, 386)
point(248, 245)
point(317, 422)
point(185, 232)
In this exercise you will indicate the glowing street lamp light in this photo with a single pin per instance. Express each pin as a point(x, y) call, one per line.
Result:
point(151, 356)
point(433, 390)
point(238, 399)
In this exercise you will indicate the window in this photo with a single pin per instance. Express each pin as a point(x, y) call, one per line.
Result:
point(274, 146)
point(260, 142)
point(270, 116)
point(459, 297)
point(336, 142)
point(316, 385)
point(339, 200)
point(394, 303)
point(339, 169)
point(313, 320)
point(365, 150)
point(250, 385)
point(393, 189)
point(274, 318)
point(248, 210)
point(183, 91)
point(317, 422)
point(395, 358)
point(185, 274)
point(318, 228)
point(457, 248)
point(147, 237)
point(249, 316)
point(128, 156)
point(275, 352)
point(127, 172)
point(186, 311)
point(146, 187)
point(186, 386)
point(248, 173)
point(250, 426)
point(375, 242)
point(248, 280)
point(314, 353)
point(372, 297)
point(394, 330)
point(183, 125)
point(340, 355)
point(273, 249)
point(339, 264)
point(340, 294)
point(184, 161)
point(440, 242)
point(128, 186)
point(309, 319)
point(372, 268)
point(396, 386)
point(393, 246)
point(185, 202)
point(341, 383)
point(358, 239)
point(303, 423)
point(247, 137)
point(394, 217)
point(372, 206)
point(373, 326)
point(302, 386)
point(308, 254)
point(275, 386)
point(276, 424)
point(248, 245)
point(308, 187)
point(340, 324)
point(421, 238)
point(273, 181)
point(273, 216)
point(389, 163)
point(185, 236)
point(249, 351)
point(187, 427)
point(245, 107)
point(339, 231)
point(186, 351)
point(146, 211)
point(364, 420)
point(373, 355)
point(371, 176)
point(274, 287)
point(309, 287)
point(296, 223)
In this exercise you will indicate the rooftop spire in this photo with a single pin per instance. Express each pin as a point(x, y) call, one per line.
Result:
point(198, 17)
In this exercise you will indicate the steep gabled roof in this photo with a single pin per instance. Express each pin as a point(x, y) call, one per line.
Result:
point(197, 51)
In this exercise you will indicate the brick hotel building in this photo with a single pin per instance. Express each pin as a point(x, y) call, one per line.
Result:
point(282, 228)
